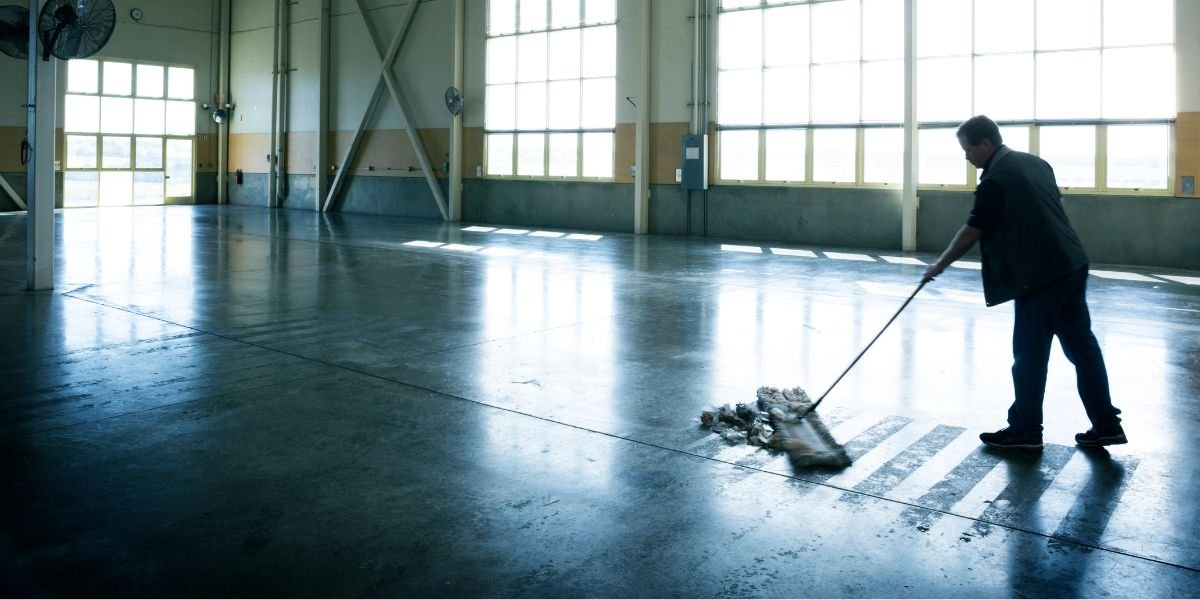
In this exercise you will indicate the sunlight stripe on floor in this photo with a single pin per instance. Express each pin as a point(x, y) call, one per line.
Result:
point(903, 260)
point(547, 234)
point(848, 256)
point(1121, 275)
point(587, 237)
point(462, 247)
point(792, 252)
point(478, 229)
point(513, 231)
point(423, 244)
point(736, 248)
point(1180, 279)
point(967, 264)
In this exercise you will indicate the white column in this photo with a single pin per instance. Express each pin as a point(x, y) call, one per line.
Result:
point(40, 169)
point(909, 202)
point(454, 208)
point(641, 157)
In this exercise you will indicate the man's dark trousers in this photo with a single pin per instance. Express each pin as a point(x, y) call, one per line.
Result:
point(1057, 309)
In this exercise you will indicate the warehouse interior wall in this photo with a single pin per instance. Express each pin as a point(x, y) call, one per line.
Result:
point(385, 177)
point(170, 32)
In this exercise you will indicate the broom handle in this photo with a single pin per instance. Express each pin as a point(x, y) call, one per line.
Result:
point(864, 350)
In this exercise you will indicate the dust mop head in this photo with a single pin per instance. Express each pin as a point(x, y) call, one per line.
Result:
point(806, 440)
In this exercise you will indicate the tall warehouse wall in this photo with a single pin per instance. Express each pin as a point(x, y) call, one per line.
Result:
point(170, 32)
point(1135, 228)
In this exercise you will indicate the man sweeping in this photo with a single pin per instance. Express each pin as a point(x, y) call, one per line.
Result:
point(1032, 256)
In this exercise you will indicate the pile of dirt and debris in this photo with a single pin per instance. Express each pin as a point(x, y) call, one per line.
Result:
point(773, 421)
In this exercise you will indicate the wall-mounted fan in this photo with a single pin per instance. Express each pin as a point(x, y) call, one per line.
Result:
point(454, 100)
point(75, 28)
point(14, 31)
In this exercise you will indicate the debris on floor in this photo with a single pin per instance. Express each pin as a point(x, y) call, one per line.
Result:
point(773, 421)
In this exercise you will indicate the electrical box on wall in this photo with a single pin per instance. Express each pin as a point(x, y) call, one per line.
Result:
point(695, 162)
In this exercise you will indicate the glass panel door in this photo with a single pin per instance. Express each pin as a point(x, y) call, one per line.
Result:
point(179, 169)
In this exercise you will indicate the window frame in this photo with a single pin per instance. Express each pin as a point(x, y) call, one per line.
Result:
point(517, 32)
point(1101, 124)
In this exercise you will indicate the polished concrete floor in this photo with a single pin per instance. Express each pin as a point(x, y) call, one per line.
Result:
point(230, 401)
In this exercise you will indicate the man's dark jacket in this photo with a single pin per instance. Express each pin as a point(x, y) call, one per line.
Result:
point(1033, 243)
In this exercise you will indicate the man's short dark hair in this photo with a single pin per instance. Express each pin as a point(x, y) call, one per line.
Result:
point(979, 128)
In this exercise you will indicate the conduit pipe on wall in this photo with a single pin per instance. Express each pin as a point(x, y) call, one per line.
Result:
point(281, 129)
point(272, 159)
point(694, 128)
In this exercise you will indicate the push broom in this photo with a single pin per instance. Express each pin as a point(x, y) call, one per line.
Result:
point(805, 438)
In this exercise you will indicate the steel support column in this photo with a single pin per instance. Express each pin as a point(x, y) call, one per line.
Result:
point(322, 154)
point(223, 103)
point(641, 156)
point(909, 201)
point(456, 125)
point(40, 190)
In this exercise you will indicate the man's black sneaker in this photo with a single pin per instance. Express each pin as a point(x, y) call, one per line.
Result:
point(1105, 436)
point(1010, 438)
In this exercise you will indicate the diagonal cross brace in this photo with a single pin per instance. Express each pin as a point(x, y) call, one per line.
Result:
point(385, 71)
point(12, 193)
point(352, 150)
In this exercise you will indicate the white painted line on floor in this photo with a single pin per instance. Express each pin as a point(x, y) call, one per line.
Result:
point(513, 231)
point(587, 237)
point(548, 234)
point(1181, 279)
point(479, 229)
point(967, 264)
point(461, 247)
point(791, 252)
point(423, 244)
point(904, 260)
point(1122, 275)
point(849, 256)
point(736, 248)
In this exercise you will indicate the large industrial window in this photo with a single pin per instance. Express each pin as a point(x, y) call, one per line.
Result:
point(129, 131)
point(814, 91)
point(551, 88)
